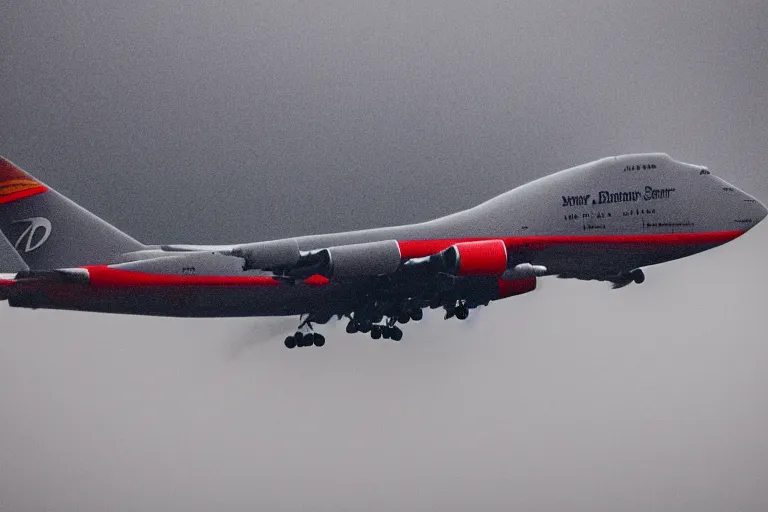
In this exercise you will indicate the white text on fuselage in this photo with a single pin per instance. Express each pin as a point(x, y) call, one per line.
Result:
point(627, 196)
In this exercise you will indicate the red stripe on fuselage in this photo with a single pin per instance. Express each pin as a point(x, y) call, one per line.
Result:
point(419, 248)
point(103, 276)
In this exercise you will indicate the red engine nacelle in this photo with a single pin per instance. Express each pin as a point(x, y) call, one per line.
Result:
point(516, 287)
point(481, 258)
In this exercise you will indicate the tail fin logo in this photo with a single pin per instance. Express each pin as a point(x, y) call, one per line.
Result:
point(35, 224)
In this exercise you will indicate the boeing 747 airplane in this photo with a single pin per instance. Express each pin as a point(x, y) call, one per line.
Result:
point(603, 221)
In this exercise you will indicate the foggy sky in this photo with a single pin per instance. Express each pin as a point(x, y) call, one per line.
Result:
point(237, 121)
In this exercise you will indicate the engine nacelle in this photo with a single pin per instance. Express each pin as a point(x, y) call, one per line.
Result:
point(524, 271)
point(480, 290)
point(358, 260)
point(510, 288)
point(481, 258)
point(277, 254)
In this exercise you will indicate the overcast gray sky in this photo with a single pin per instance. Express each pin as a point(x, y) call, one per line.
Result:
point(236, 121)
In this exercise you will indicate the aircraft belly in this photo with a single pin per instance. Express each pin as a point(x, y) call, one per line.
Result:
point(608, 257)
point(184, 301)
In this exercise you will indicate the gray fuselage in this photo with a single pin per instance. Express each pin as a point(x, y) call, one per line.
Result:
point(594, 221)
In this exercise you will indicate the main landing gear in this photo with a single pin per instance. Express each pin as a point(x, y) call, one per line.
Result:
point(376, 324)
point(305, 340)
point(370, 324)
point(387, 331)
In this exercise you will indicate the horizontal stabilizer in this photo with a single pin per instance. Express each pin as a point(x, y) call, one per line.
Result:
point(10, 261)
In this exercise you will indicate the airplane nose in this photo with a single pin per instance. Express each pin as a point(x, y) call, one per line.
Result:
point(757, 210)
point(762, 211)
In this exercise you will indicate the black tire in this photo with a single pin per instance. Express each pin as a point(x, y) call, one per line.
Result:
point(299, 337)
point(396, 334)
point(375, 332)
point(290, 342)
point(462, 313)
point(365, 328)
point(638, 276)
point(319, 340)
point(352, 327)
point(403, 318)
point(386, 333)
point(417, 314)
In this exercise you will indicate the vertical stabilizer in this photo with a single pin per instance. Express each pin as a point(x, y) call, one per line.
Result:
point(49, 231)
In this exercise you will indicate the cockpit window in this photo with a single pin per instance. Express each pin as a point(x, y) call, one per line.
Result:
point(703, 171)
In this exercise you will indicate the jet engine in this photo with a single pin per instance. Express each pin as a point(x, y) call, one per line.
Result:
point(270, 255)
point(524, 271)
point(510, 288)
point(356, 260)
point(353, 260)
point(480, 290)
point(480, 258)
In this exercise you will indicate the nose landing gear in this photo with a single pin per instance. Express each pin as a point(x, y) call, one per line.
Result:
point(460, 311)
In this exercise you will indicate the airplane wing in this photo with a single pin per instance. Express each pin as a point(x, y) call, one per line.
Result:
point(386, 257)
point(195, 248)
point(465, 274)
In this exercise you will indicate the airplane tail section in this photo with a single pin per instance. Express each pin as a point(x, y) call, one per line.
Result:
point(49, 231)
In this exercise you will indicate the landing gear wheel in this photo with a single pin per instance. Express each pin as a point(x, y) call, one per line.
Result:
point(417, 314)
point(386, 333)
point(352, 327)
point(319, 340)
point(364, 328)
point(290, 342)
point(403, 318)
point(637, 276)
point(375, 332)
point(462, 313)
point(396, 334)
point(299, 338)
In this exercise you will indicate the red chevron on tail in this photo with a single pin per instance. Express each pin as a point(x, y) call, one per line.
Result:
point(16, 184)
